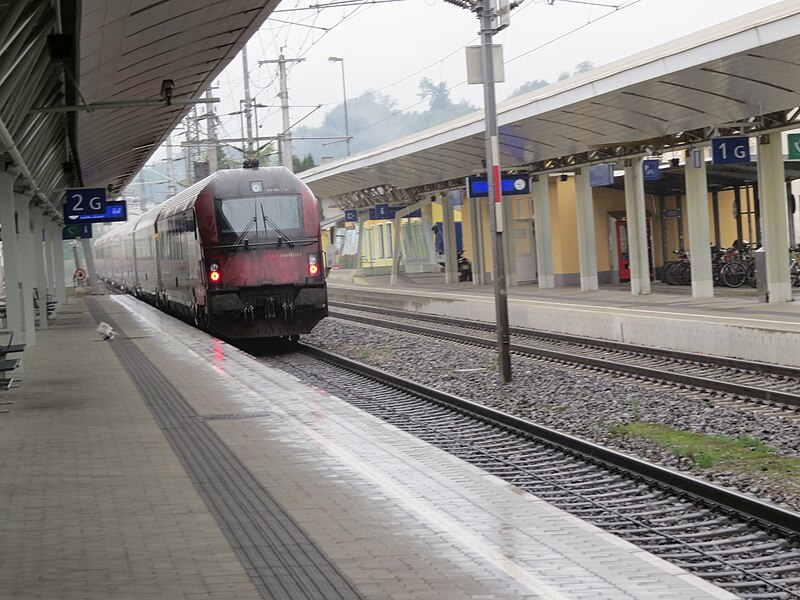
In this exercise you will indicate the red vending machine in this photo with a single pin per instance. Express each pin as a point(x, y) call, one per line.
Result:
point(623, 255)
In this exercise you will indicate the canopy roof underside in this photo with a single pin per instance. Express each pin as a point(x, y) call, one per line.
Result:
point(740, 77)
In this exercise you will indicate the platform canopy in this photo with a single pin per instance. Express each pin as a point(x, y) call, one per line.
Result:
point(58, 56)
point(738, 78)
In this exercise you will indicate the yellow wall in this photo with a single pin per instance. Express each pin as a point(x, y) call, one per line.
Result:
point(608, 200)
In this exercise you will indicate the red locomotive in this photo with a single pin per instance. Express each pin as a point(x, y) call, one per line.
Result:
point(237, 253)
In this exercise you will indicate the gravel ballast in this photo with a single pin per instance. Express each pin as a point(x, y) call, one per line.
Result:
point(580, 402)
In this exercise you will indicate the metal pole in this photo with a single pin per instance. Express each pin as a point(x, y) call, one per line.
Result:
point(171, 190)
point(211, 133)
point(286, 136)
point(495, 190)
point(346, 123)
point(247, 102)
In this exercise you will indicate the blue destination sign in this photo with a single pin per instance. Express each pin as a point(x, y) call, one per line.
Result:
point(116, 210)
point(512, 185)
point(351, 216)
point(730, 150)
point(600, 175)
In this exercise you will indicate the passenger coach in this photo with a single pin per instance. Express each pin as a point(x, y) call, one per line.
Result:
point(238, 253)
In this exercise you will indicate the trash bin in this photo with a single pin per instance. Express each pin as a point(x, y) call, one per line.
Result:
point(761, 274)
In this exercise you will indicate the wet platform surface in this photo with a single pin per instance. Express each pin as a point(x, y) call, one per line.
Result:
point(732, 323)
point(167, 464)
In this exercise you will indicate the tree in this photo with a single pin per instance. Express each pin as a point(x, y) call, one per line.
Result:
point(529, 86)
point(583, 67)
point(303, 164)
point(437, 95)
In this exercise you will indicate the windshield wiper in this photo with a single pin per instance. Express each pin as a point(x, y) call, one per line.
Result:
point(271, 223)
point(244, 233)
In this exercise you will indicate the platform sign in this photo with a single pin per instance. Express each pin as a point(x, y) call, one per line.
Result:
point(84, 201)
point(650, 170)
point(600, 175)
point(730, 150)
point(511, 185)
point(351, 216)
point(794, 146)
point(382, 211)
point(116, 210)
point(74, 231)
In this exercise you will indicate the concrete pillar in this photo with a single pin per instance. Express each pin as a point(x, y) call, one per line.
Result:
point(587, 249)
point(49, 255)
point(397, 248)
point(509, 241)
point(10, 255)
point(58, 264)
point(637, 227)
point(774, 216)
point(88, 254)
point(699, 237)
point(362, 219)
point(40, 268)
point(449, 237)
point(479, 257)
point(27, 266)
point(542, 227)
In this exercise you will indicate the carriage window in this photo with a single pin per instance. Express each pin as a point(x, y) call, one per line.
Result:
point(260, 218)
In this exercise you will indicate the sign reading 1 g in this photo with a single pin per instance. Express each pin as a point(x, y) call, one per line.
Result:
point(84, 201)
point(729, 150)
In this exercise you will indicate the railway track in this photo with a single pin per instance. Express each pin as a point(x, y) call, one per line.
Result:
point(741, 544)
point(740, 381)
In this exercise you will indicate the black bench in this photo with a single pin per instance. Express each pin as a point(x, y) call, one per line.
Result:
point(8, 365)
point(51, 304)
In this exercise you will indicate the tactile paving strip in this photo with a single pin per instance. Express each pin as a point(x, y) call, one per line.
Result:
point(282, 561)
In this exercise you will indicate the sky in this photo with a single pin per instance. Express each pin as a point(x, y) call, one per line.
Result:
point(388, 46)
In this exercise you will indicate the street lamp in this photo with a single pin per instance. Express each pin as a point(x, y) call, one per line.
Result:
point(344, 94)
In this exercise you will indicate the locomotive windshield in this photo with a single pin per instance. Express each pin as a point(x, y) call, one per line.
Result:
point(260, 219)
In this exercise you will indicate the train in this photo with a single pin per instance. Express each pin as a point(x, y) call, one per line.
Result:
point(238, 254)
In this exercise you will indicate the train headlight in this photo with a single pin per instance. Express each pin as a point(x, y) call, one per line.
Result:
point(313, 267)
point(214, 274)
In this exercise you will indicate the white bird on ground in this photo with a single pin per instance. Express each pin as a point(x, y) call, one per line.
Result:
point(105, 330)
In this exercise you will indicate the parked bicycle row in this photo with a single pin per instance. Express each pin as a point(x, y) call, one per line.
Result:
point(731, 267)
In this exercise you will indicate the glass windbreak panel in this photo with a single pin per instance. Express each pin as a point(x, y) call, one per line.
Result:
point(260, 219)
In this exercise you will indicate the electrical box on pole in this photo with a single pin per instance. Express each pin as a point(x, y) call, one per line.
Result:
point(475, 64)
point(502, 16)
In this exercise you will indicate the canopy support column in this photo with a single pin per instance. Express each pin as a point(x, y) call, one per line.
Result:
point(699, 236)
point(11, 254)
point(774, 216)
point(542, 227)
point(587, 248)
point(637, 227)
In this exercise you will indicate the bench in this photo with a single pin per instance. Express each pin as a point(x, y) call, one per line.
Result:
point(51, 304)
point(8, 365)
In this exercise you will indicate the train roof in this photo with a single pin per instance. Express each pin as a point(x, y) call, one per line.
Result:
point(223, 183)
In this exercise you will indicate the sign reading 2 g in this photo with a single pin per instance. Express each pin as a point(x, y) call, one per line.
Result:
point(84, 201)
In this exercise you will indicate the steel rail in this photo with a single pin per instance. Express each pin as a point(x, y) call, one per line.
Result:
point(722, 361)
point(748, 391)
point(747, 508)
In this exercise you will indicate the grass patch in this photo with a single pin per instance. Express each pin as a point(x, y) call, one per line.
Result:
point(745, 454)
